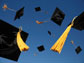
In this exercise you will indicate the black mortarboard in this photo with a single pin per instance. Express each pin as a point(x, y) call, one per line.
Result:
point(41, 48)
point(8, 44)
point(79, 22)
point(19, 13)
point(49, 32)
point(58, 16)
point(78, 50)
point(37, 9)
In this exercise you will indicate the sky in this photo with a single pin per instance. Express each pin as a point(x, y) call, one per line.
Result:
point(38, 33)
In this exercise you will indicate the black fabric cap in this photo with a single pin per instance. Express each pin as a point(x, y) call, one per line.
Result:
point(37, 9)
point(19, 13)
point(41, 48)
point(49, 32)
point(8, 44)
point(78, 50)
point(79, 22)
point(58, 16)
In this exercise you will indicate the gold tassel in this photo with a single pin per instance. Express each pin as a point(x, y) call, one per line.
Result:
point(21, 44)
point(5, 6)
point(40, 22)
point(60, 42)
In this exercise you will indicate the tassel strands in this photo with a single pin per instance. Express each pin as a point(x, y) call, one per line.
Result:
point(60, 42)
point(21, 44)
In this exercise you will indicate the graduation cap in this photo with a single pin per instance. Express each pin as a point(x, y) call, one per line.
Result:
point(8, 42)
point(37, 9)
point(19, 12)
point(58, 16)
point(79, 22)
point(49, 32)
point(41, 48)
point(78, 49)
point(60, 42)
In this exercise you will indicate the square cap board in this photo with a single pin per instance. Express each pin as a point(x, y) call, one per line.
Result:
point(58, 16)
point(8, 44)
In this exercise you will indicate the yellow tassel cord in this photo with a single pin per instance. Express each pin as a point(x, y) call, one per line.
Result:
point(60, 42)
point(21, 44)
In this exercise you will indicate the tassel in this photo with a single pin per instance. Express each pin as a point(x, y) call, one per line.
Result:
point(21, 44)
point(60, 42)
point(72, 42)
point(5, 7)
point(40, 22)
